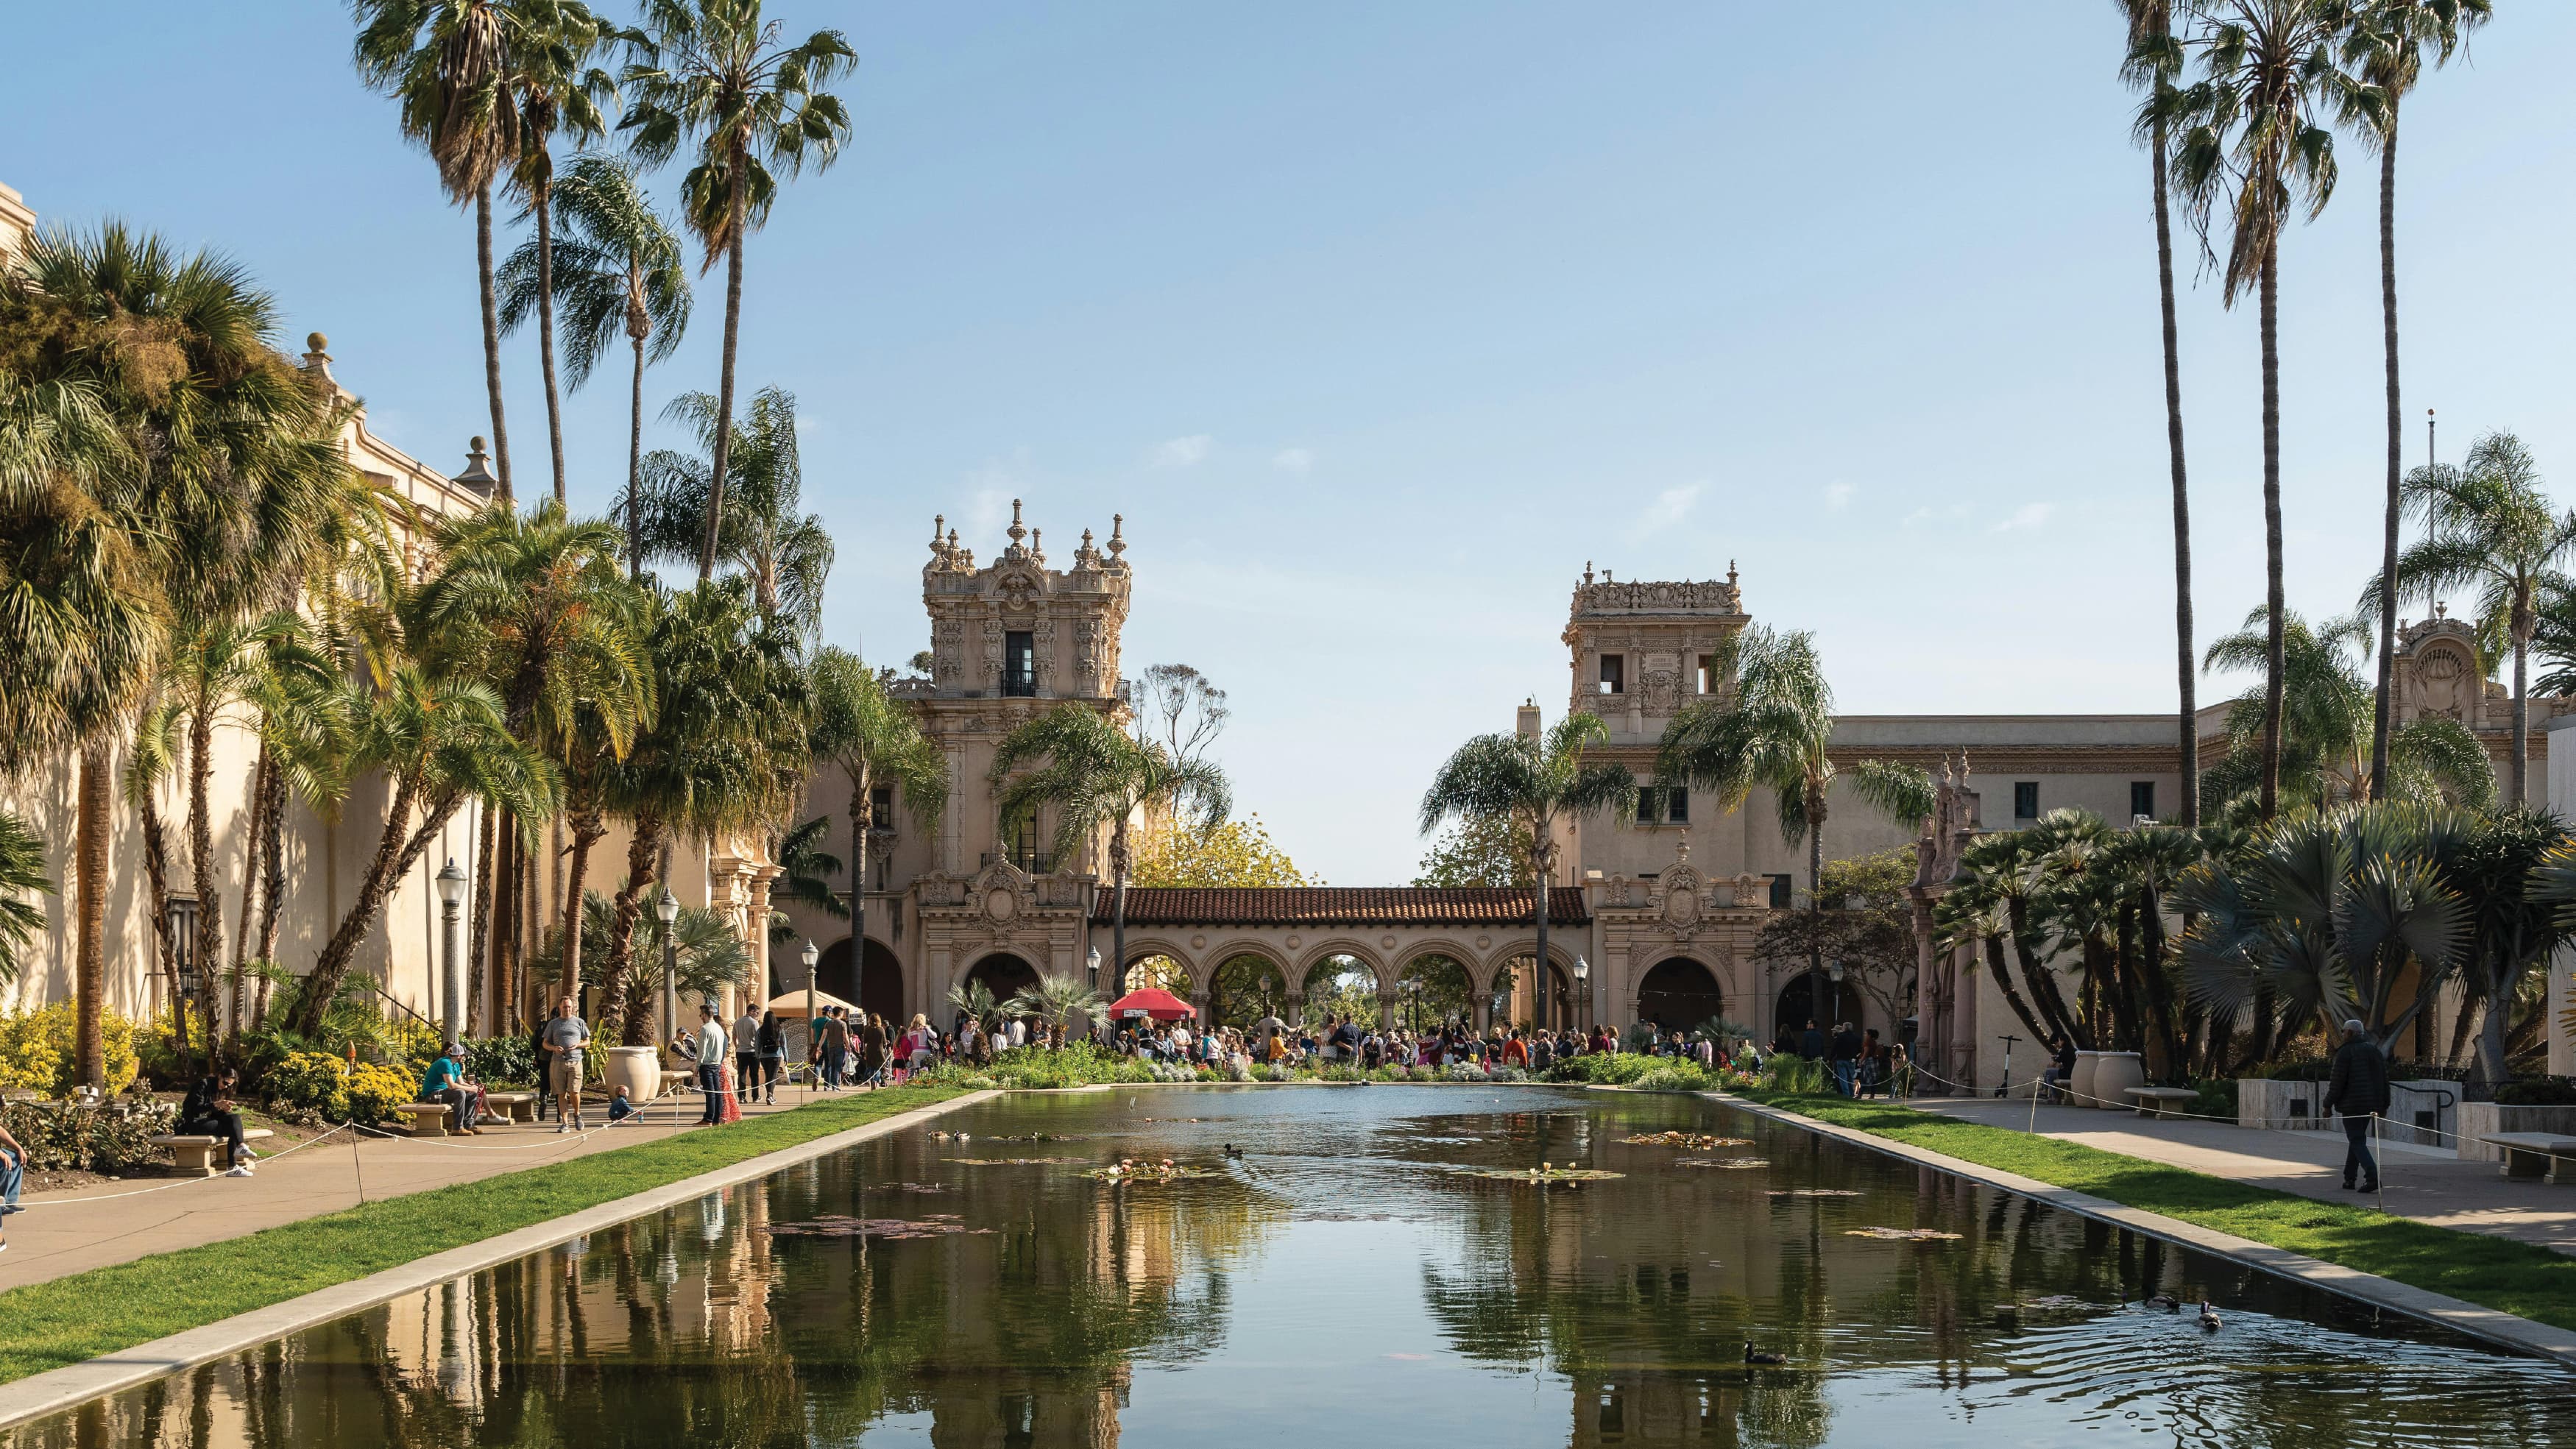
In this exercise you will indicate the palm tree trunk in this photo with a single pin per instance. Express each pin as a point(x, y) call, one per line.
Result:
point(2274, 606)
point(862, 815)
point(272, 891)
point(2188, 741)
point(724, 383)
point(478, 1014)
point(2521, 799)
point(635, 473)
point(2491, 1030)
point(630, 993)
point(1818, 1008)
point(1118, 864)
point(201, 858)
point(396, 853)
point(491, 335)
point(156, 874)
point(546, 331)
point(588, 828)
point(262, 772)
point(1538, 907)
point(89, 979)
point(2002, 974)
point(2379, 717)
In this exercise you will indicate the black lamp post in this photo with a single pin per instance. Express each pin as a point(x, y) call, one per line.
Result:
point(667, 909)
point(186, 979)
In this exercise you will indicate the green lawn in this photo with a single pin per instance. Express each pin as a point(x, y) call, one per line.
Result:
point(2517, 1278)
point(49, 1325)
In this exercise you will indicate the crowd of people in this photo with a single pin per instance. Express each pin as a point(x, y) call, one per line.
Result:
point(1349, 1041)
point(1862, 1064)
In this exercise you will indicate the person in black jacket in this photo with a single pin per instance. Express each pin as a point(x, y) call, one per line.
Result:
point(210, 1111)
point(2358, 1090)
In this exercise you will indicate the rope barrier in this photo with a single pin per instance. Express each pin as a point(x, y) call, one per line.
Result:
point(182, 1182)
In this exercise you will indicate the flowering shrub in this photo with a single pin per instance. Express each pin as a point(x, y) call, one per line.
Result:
point(1675, 1077)
point(1464, 1072)
point(372, 1092)
point(309, 1087)
point(103, 1141)
point(36, 1051)
point(1277, 1072)
point(1507, 1074)
point(1395, 1071)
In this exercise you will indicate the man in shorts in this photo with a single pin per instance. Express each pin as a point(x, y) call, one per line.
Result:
point(567, 1039)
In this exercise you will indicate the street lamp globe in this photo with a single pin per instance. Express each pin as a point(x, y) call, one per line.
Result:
point(1582, 970)
point(451, 884)
point(810, 955)
point(1093, 961)
point(668, 907)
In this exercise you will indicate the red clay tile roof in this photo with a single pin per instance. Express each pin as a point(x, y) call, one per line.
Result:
point(1341, 906)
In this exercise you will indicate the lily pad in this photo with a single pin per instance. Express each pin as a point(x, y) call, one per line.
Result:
point(1153, 1172)
point(1017, 1161)
point(1695, 1141)
point(936, 1225)
point(1901, 1235)
point(1723, 1162)
point(1544, 1176)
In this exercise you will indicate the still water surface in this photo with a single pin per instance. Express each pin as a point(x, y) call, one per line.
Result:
point(1349, 1279)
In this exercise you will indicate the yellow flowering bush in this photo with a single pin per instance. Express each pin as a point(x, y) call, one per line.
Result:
point(310, 1086)
point(36, 1051)
point(372, 1092)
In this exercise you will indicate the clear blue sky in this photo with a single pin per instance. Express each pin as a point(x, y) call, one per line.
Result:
point(1377, 322)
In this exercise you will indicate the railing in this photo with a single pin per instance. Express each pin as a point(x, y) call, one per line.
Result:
point(2444, 1100)
point(1030, 862)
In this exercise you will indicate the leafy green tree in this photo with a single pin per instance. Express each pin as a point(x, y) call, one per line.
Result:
point(1475, 852)
point(787, 554)
point(1535, 786)
point(2154, 60)
point(712, 75)
point(1773, 730)
point(2386, 45)
point(22, 874)
point(1238, 854)
point(1077, 762)
point(2325, 738)
point(615, 270)
point(875, 739)
point(2257, 144)
point(2489, 529)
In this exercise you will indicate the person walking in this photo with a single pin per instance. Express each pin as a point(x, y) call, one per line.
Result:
point(773, 1057)
point(13, 1175)
point(744, 1037)
point(567, 1043)
point(711, 1058)
point(2358, 1088)
point(210, 1111)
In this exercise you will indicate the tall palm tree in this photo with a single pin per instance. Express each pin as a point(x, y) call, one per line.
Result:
point(2154, 60)
point(558, 90)
point(2258, 143)
point(22, 874)
point(726, 748)
point(1096, 776)
point(713, 75)
point(1541, 785)
point(224, 456)
point(2387, 43)
point(2489, 528)
point(873, 738)
point(615, 269)
point(452, 67)
point(1774, 729)
point(785, 553)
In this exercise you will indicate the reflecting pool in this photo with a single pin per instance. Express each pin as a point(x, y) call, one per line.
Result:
point(1350, 1277)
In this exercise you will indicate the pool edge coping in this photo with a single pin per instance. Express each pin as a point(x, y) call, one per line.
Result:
point(72, 1385)
point(2490, 1325)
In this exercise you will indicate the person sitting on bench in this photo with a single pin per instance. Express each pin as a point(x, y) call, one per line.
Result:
point(2061, 1069)
point(445, 1082)
point(210, 1111)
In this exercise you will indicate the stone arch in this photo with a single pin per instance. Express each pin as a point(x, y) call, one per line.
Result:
point(1351, 946)
point(1431, 986)
point(1243, 986)
point(1114, 979)
point(1679, 992)
point(1005, 973)
point(1344, 984)
point(874, 986)
point(1790, 1010)
point(1499, 989)
point(1240, 947)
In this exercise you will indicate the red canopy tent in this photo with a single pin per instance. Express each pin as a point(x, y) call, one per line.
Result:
point(1153, 1001)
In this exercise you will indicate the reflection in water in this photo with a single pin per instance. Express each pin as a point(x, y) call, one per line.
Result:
point(1342, 1274)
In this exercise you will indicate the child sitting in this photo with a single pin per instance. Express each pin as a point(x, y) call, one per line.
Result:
point(619, 1109)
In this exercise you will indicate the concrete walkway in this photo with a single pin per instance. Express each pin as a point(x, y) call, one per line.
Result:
point(77, 1229)
point(2418, 1182)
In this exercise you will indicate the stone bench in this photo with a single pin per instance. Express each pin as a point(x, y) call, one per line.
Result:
point(428, 1119)
point(196, 1155)
point(2162, 1101)
point(512, 1106)
point(679, 1082)
point(2534, 1154)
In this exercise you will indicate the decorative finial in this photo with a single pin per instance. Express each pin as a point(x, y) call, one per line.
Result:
point(2441, 608)
point(1037, 545)
point(317, 356)
point(1587, 573)
point(476, 475)
point(1117, 535)
point(317, 342)
point(1015, 531)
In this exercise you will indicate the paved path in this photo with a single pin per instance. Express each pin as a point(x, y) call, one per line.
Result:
point(2417, 1182)
point(77, 1229)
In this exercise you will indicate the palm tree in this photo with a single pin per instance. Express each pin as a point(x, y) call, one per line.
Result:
point(536, 606)
point(2489, 528)
point(2325, 740)
point(2153, 61)
point(2258, 143)
point(726, 748)
point(1094, 775)
point(452, 67)
point(1540, 784)
point(1774, 729)
point(2388, 40)
point(1059, 1002)
point(805, 870)
point(616, 270)
point(557, 90)
point(223, 454)
point(22, 874)
point(712, 74)
point(873, 738)
point(786, 554)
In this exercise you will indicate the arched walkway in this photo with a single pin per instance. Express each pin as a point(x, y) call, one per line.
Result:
point(1678, 994)
point(1245, 988)
point(1431, 990)
point(877, 989)
point(1790, 1010)
point(1521, 998)
point(1004, 975)
point(1342, 987)
point(1155, 970)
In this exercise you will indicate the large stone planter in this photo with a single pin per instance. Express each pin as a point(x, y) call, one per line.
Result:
point(638, 1070)
point(2080, 1086)
point(2482, 1119)
point(2113, 1074)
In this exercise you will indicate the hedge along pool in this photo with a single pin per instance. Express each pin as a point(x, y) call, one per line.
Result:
point(1358, 1270)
